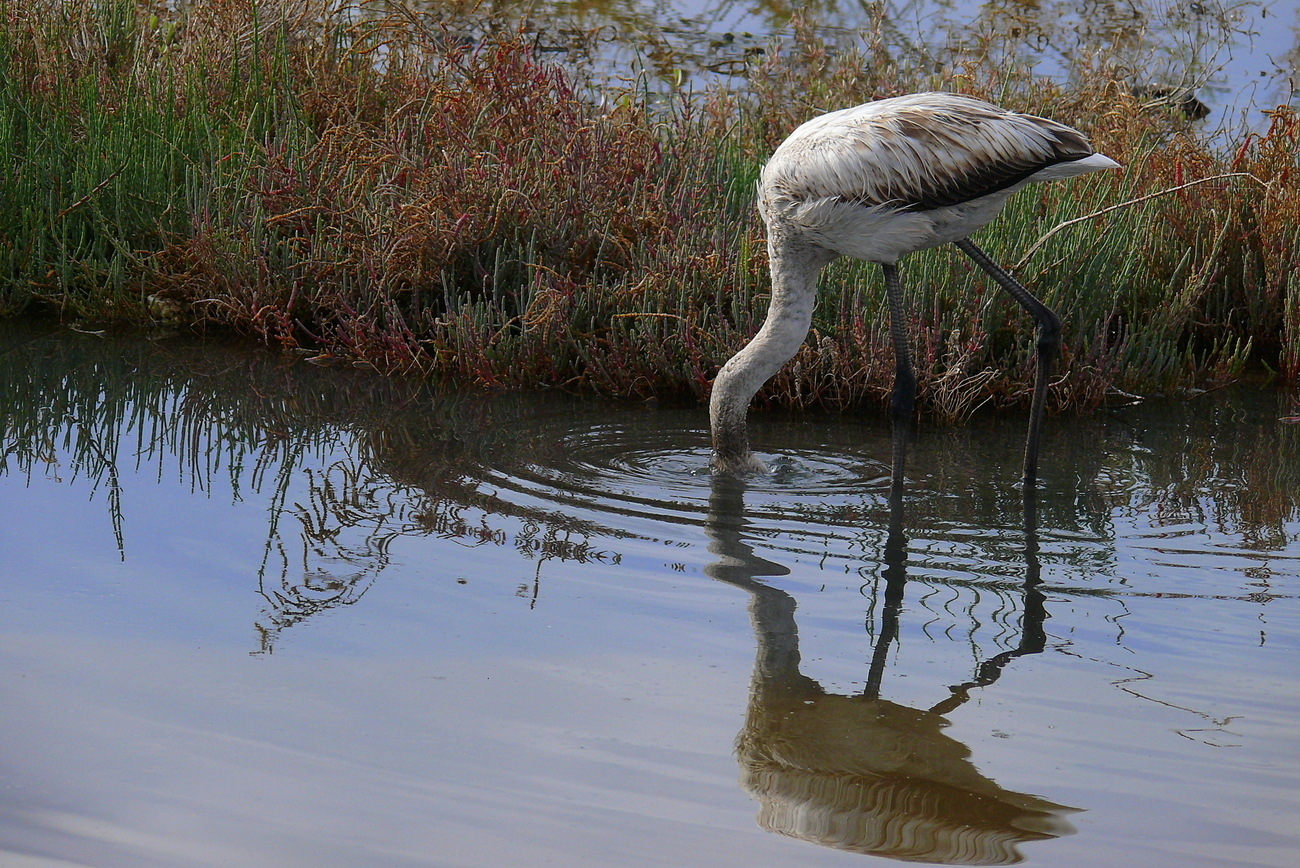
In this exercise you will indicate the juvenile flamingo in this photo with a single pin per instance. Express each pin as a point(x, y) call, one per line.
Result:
point(875, 182)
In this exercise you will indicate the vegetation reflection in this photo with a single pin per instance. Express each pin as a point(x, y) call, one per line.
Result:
point(349, 463)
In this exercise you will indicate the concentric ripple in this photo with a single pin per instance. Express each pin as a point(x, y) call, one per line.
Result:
point(642, 473)
point(657, 471)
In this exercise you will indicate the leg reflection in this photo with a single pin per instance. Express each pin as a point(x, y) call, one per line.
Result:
point(1033, 632)
point(895, 571)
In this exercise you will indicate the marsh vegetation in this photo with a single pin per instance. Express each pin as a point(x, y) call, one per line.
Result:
point(365, 183)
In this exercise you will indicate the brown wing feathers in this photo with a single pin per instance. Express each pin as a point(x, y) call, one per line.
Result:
point(962, 158)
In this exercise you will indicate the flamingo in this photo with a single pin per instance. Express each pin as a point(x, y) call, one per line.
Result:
point(875, 182)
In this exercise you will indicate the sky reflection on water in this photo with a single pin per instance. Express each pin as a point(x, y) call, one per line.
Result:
point(255, 612)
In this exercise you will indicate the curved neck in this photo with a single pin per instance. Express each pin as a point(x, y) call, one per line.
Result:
point(794, 294)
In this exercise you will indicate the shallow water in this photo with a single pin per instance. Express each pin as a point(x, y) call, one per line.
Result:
point(259, 613)
point(1238, 58)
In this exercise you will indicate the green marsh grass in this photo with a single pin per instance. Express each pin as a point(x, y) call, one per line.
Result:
point(367, 189)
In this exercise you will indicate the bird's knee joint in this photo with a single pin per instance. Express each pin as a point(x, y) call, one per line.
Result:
point(1049, 333)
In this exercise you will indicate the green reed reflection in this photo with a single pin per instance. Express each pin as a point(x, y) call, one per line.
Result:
point(349, 462)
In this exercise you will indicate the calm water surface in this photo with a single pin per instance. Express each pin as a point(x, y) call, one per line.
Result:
point(254, 612)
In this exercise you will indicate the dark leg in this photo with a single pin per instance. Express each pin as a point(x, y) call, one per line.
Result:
point(904, 395)
point(1049, 343)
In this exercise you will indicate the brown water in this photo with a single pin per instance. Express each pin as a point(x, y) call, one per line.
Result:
point(254, 612)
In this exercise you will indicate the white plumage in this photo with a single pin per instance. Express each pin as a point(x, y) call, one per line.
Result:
point(876, 182)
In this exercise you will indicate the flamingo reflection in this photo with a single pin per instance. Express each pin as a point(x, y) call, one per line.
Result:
point(861, 773)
